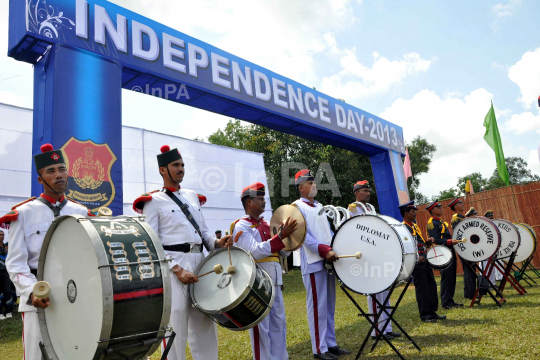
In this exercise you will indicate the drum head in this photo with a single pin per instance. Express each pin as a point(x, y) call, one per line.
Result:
point(483, 239)
point(510, 238)
point(439, 256)
point(74, 318)
point(528, 243)
point(382, 254)
point(215, 292)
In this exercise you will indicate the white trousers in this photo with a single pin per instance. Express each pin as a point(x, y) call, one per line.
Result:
point(321, 309)
point(190, 324)
point(31, 336)
point(269, 337)
point(373, 308)
point(494, 273)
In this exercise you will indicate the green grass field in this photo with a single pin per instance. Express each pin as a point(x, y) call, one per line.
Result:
point(484, 332)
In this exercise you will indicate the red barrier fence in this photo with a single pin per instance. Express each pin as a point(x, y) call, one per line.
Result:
point(516, 203)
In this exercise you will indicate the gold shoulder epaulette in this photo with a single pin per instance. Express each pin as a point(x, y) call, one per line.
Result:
point(454, 218)
point(233, 224)
point(352, 208)
point(430, 225)
point(24, 202)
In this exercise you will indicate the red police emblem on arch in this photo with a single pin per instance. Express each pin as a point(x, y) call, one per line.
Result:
point(89, 167)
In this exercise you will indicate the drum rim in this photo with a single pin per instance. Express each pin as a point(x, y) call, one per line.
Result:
point(106, 283)
point(519, 241)
point(240, 298)
point(402, 254)
point(167, 286)
point(440, 267)
point(530, 230)
point(498, 237)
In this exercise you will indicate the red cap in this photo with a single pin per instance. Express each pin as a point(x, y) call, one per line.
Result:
point(302, 176)
point(253, 190)
point(46, 148)
point(165, 148)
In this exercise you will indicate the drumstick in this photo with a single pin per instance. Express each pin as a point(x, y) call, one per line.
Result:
point(358, 255)
point(42, 290)
point(462, 240)
point(230, 269)
point(218, 269)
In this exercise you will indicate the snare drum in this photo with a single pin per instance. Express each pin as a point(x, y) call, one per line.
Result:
point(439, 257)
point(389, 253)
point(236, 301)
point(110, 290)
point(510, 238)
point(528, 243)
point(483, 238)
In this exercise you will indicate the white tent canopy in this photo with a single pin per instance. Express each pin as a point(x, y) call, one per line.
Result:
point(220, 173)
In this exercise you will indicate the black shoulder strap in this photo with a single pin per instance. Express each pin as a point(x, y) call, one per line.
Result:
point(185, 210)
point(55, 209)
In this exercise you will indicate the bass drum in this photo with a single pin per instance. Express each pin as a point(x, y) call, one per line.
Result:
point(439, 257)
point(483, 239)
point(528, 243)
point(510, 238)
point(110, 289)
point(236, 301)
point(389, 253)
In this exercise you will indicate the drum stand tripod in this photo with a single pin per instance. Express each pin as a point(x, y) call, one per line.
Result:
point(507, 276)
point(485, 274)
point(116, 351)
point(520, 272)
point(375, 322)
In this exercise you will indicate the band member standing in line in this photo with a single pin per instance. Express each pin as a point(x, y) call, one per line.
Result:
point(425, 285)
point(362, 192)
point(175, 215)
point(28, 223)
point(252, 233)
point(438, 230)
point(320, 286)
point(469, 275)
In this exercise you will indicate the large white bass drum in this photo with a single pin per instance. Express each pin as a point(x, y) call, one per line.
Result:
point(528, 243)
point(389, 253)
point(510, 238)
point(483, 239)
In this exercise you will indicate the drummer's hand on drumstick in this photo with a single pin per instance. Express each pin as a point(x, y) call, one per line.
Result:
point(430, 241)
point(288, 228)
point(40, 303)
point(454, 241)
point(332, 256)
point(185, 277)
point(225, 241)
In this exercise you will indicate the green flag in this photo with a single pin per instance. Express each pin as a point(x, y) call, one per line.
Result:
point(493, 138)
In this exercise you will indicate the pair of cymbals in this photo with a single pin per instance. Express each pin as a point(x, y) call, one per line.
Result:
point(297, 238)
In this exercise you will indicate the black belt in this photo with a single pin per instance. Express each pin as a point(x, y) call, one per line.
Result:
point(185, 248)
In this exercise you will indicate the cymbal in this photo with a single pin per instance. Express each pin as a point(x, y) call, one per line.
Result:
point(297, 238)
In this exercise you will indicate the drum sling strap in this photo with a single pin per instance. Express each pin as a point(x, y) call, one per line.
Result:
point(185, 210)
point(55, 209)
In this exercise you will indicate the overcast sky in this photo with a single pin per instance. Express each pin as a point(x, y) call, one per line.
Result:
point(431, 67)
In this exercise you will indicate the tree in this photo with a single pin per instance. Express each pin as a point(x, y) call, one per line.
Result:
point(518, 172)
point(283, 152)
point(421, 153)
point(477, 182)
point(451, 193)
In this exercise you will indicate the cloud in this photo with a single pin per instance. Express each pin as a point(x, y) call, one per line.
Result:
point(534, 160)
point(523, 123)
point(501, 10)
point(455, 126)
point(356, 81)
point(526, 74)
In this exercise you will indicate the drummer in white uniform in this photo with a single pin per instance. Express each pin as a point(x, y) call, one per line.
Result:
point(28, 223)
point(320, 286)
point(167, 213)
point(362, 192)
point(252, 233)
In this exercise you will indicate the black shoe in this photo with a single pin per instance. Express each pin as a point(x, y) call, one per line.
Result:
point(448, 307)
point(429, 320)
point(394, 334)
point(389, 337)
point(456, 305)
point(325, 356)
point(336, 350)
point(438, 317)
